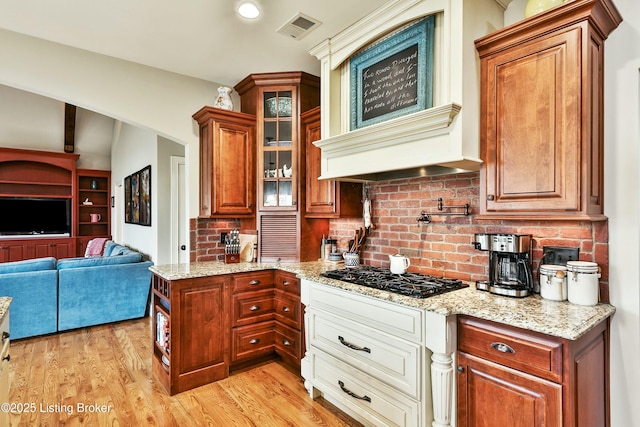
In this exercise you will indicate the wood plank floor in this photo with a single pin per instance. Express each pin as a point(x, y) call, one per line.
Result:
point(101, 376)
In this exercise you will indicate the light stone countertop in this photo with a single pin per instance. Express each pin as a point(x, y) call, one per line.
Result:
point(4, 306)
point(561, 319)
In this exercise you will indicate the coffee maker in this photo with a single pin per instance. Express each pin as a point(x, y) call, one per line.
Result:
point(509, 264)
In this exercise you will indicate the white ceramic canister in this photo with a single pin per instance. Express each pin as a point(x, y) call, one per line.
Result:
point(583, 282)
point(553, 282)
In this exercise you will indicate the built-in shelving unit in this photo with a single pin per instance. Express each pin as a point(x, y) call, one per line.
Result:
point(93, 206)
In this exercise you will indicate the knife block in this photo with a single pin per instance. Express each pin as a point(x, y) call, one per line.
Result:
point(231, 258)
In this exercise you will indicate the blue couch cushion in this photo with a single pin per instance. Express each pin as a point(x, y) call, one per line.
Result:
point(108, 247)
point(98, 261)
point(37, 264)
point(117, 249)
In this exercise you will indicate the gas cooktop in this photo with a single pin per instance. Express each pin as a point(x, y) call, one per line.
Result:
point(411, 284)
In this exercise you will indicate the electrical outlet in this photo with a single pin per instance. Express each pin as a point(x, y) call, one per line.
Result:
point(557, 255)
point(223, 237)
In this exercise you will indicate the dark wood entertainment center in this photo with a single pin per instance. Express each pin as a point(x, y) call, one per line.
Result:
point(49, 175)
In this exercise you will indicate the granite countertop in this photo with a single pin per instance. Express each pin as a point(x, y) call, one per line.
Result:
point(4, 306)
point(534, 313)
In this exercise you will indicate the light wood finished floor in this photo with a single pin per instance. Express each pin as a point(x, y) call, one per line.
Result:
point(108, 370)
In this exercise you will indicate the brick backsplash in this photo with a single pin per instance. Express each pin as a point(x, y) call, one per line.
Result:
point(444, 247)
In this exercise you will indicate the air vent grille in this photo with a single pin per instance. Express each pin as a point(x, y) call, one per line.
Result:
point(299, 26)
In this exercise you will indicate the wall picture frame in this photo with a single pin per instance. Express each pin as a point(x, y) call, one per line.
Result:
point(394, 76)
point(137, 197)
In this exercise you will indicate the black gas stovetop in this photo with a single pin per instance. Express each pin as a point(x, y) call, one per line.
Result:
point(411, 284)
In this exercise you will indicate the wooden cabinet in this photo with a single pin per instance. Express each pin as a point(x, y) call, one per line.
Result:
point(18, 250)
point(206, 327)
point(325, 198)
point(510, 376)
point(5, 357)
point(542, 114)
point(227, 178)
point(289, 337)
point(277, 100)
point(93, 205)
point(191, 324)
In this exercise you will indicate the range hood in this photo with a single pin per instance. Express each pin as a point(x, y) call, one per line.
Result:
point(443, 139)
point(426, 143)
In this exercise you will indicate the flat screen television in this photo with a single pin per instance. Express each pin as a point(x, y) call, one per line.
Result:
point(23, 215)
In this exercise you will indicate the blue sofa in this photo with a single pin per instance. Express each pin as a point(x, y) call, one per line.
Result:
point(70, 293)
point(33, 285)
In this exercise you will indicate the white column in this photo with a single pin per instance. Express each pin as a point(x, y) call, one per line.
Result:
point(441, 340)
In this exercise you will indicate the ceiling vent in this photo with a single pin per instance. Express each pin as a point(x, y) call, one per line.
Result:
point(299, 26)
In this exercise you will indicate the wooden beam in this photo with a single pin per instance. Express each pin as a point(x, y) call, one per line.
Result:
point(69, 127)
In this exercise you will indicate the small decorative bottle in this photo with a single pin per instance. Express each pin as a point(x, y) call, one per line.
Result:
point(224, 98)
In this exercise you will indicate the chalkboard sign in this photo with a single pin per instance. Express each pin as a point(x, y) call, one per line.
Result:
point(393, 77)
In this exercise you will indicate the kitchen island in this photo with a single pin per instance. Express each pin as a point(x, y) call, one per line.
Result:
point(430, 333)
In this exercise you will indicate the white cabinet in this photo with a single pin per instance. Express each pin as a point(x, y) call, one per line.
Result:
point(366, 356)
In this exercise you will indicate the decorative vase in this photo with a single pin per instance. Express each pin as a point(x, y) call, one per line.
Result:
point(94, 185)
point(224, 98)
point(534, 7)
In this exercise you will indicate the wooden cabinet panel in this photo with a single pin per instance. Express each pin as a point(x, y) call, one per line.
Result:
point(545, 381)
point(59, 248)
point(253, 307)
point(534, 354)
point(252, 341)
point(490, 395)
point(227, 180)
point(288, 309)
point(254, 281)
point(326, 198)
point(288, 344)
point(287, 282)
point(542, 113)
point(12, 251)
point(196, 315)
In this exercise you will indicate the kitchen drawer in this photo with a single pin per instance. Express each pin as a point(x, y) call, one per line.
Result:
point(288, 282)
point(248, 342)
point(243, 282)
point(395, 319)
point(389, 359)
point(288, 309)
point(526, 351)
point(371, 399)
point(288, 342)
point(253, 307)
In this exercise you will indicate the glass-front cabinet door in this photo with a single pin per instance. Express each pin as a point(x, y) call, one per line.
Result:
point(278, 149)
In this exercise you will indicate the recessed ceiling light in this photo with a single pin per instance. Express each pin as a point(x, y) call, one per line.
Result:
point(248, 10)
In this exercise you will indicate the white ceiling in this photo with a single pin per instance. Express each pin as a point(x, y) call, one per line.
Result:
point(198, 38)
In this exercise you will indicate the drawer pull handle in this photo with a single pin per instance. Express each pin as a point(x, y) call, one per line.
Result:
point(502, 348)
point(5, 336)
point(254, 307)
point(352, 394)
point(353, 346)
point(285, 283)
point(254, 341)
point(286, 342)
point(254, 282)
point(286, 309)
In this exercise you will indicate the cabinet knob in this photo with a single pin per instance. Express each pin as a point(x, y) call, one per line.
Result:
point(286, 342)
point(285, 283)
point(491, 197)
point(254, 308)
point(286, 309)
point(460, 369)
point(254, 341)
point(330, 203)
point(254, 282)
